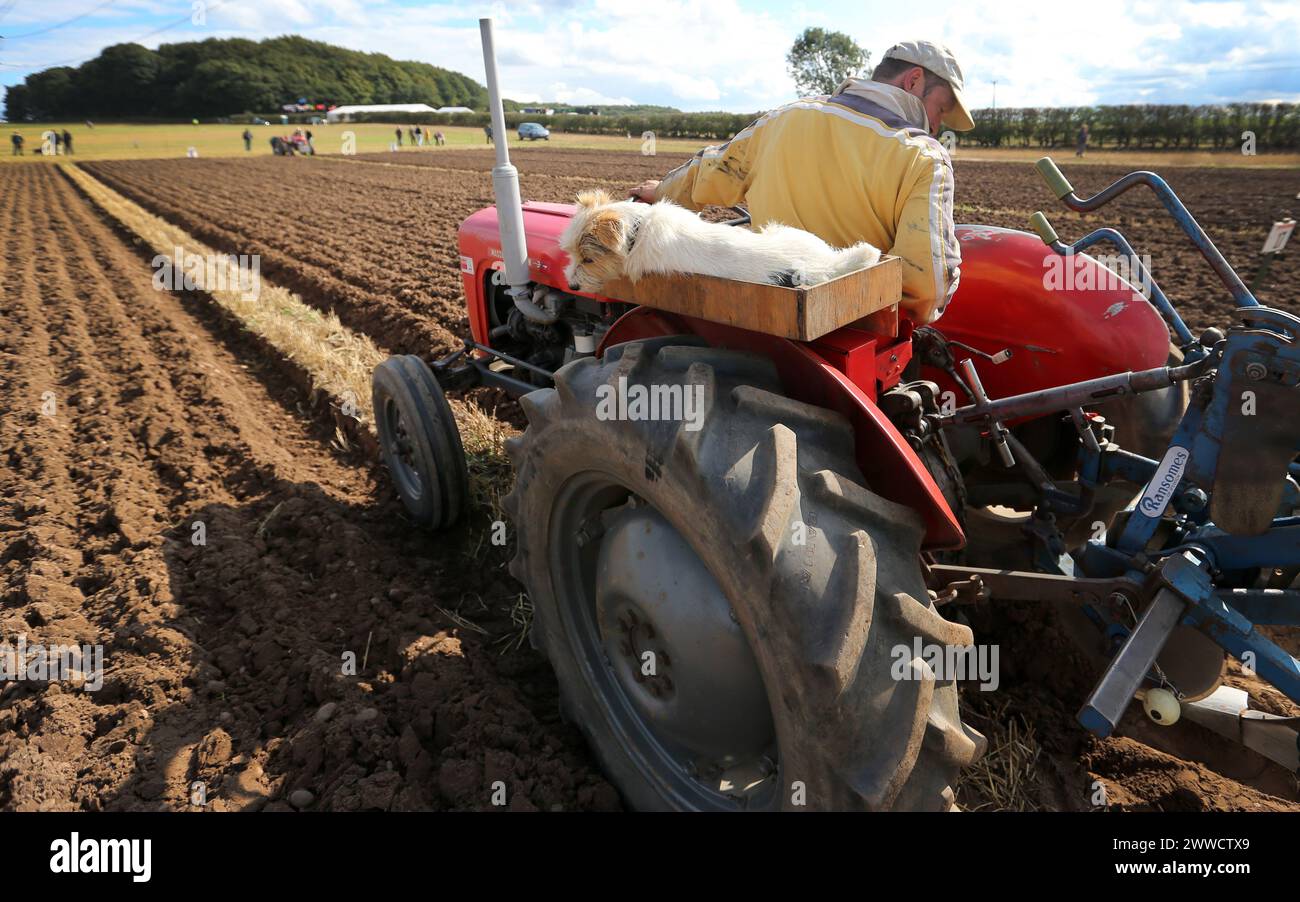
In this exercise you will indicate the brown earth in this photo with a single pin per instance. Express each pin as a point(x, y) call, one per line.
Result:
point(615, 166)
point(224, 660)
point(374, 239)
point(341, 228)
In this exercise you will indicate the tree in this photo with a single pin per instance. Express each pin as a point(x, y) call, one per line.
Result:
point(118, 82)
point(18, 103)
point(52, 91)
point(218, 87)
point(820, 60)
point(221, 76)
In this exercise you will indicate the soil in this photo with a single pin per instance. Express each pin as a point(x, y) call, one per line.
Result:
point(224, 659)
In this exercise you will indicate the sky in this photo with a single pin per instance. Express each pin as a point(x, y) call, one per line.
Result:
point(729, 54)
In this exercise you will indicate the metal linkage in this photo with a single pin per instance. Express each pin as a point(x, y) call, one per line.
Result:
point(1078, 394)
point(472, 366)
point(960, 584)
point(997, 431)
point(1064, 192)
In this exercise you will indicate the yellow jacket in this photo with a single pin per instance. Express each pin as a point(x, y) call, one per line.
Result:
point(856, 166)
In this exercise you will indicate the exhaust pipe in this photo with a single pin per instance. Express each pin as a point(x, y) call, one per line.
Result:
point(505, 189)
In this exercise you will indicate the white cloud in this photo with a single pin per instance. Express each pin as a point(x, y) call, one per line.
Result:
point(579, 96)
point(730, 54)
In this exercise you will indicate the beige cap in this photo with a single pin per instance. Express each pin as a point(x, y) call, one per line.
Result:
point(939, 60)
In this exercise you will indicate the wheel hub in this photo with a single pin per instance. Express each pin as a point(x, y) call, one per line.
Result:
point(673, 644)
point(403, 450)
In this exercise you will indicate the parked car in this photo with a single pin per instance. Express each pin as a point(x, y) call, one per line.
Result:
point(531, 131)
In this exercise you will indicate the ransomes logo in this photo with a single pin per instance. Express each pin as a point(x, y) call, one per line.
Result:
point(1169, 472)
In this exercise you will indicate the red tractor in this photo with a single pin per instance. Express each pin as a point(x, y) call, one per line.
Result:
point(772, 558)
point(724, 596)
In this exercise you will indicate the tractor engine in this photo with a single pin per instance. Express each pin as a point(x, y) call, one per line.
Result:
point(565, 326)
point(556, 324)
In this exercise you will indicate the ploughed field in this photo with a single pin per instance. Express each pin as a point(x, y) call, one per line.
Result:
point(376, 234)
point(219, 658)
point(130, 415)
point(375, 241)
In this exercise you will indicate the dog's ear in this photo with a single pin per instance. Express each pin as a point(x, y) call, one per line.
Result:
point(604, 232)
point(594, 198)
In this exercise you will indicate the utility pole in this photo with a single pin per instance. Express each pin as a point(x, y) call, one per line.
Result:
point(997, 130)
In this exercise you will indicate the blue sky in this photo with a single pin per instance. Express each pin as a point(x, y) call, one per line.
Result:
point(729, 54)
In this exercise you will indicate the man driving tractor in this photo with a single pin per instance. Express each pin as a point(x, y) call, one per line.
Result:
point(862, 164)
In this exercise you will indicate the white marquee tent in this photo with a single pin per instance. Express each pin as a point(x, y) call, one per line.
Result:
point(345, 113)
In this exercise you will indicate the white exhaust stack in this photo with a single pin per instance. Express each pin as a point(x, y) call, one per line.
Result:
point(505, 187)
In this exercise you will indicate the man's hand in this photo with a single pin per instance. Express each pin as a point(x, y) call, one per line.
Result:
point(645, 191)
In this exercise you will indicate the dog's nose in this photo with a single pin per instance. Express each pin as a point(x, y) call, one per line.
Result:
point(574, 286)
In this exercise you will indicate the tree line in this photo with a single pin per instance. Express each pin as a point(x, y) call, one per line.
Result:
point(223, 76)
point(705, 126)
point(1274, 126)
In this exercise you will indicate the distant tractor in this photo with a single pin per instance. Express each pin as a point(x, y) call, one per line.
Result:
point(732, 603)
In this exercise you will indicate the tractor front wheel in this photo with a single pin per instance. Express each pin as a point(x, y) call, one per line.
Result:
point(420, 441)
point(733, 618)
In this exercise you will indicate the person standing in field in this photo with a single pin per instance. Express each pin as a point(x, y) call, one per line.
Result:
point(67, 142)
point(310, 146)
point(398, 131)
point(439, 138)
point(248, 140)
point(487, 130)
point(54, 143)
point(17, 141)
point(1082, 141)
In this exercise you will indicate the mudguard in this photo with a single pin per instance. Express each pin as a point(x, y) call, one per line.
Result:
point(1064, 319)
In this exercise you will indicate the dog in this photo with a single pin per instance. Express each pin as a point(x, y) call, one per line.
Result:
point(608, 239)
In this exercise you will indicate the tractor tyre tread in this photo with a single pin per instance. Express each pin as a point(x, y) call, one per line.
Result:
point(861, 721)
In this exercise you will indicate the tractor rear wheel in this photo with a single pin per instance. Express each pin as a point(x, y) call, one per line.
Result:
point(733, 618)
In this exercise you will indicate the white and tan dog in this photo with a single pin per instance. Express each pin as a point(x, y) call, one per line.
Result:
point(607, 240)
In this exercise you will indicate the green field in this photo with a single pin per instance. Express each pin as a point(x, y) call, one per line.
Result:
point(124, 142)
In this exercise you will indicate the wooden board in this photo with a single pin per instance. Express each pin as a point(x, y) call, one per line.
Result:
point(799, 313)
